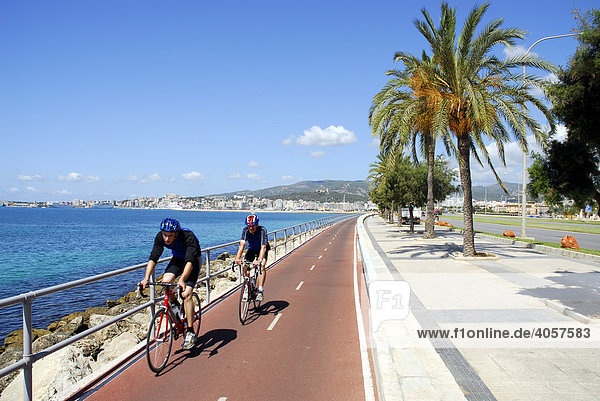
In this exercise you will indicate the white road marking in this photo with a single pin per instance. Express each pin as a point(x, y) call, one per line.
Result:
point(274, 322)
point(325, 250)
point(330, 243)
point(320, 256)
point(299, 285)
point(313, 266)
point(222, 399)
point(362, 338)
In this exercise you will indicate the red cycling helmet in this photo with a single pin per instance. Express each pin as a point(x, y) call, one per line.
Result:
point(252, 220)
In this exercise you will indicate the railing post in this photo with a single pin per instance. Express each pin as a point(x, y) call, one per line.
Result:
point(285, 241)
point(152, 295)
point(27, 348)
point(207, 277)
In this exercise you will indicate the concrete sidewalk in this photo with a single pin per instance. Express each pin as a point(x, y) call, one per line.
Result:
point(520, 293)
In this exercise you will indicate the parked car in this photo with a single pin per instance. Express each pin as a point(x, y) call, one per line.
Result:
point(416, 220)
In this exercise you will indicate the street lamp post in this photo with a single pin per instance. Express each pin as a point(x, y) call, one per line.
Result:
point(524, 195)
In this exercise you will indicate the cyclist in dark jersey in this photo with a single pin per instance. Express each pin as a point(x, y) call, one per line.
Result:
point(185, 263)
point(258, 249)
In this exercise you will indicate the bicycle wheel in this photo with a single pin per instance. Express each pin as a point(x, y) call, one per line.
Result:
point(197, 314)
point(244, 301)
point(159, 341)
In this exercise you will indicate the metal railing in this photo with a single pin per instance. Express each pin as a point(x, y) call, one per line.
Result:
point(289, 238)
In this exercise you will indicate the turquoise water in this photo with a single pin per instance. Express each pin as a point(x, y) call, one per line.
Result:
point(46, 247)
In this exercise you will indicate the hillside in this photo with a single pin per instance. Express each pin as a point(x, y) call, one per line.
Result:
point(322, 190)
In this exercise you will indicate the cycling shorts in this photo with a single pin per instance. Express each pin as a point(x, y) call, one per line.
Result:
point(176, 267)
point(252, 254)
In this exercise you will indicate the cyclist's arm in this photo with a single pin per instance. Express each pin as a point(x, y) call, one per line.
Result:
point(238, 256)
point(261, 254)
point(157, 250)
point(149, 271)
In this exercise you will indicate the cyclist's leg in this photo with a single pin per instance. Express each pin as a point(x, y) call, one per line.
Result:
point(171, 271)
point(262, 275)
point(188, 302)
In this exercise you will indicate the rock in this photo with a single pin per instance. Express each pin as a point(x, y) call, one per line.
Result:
point(569, 242)
point(116, 347)
point(7, 358)
point(15, 338)
point(53, 376)
point(509, 233)
point(223, 256)
point(136, 324)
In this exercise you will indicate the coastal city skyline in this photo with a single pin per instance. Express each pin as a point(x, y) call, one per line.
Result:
point(198, 99)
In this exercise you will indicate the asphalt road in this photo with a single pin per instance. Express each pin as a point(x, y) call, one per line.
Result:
point(589, 241)
point(303, 344)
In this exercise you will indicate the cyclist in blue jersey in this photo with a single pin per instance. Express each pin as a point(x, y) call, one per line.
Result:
point(258, 250)
point(185, 263)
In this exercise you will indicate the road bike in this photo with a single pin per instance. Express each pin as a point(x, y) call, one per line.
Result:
point(249, 290)
point(168, 324)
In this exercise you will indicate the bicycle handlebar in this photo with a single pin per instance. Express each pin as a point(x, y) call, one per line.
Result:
point(140, 291)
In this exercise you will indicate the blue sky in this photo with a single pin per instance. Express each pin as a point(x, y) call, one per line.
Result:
point(116, 99)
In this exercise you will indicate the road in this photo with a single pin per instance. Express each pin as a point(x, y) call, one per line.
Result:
point(303, 345)
point(589, 241)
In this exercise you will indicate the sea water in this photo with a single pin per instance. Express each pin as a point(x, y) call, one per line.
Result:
point(44, 247)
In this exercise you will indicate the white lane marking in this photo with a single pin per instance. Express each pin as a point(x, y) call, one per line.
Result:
point(299, 285)
point(274, 322)
point(320, 256)
point(330, 243)
point(222, 399)
point(325, 250)
point(362, 338)
point(313, 266)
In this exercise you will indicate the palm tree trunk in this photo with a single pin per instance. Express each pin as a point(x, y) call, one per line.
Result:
point(410, 218)
point(429, 223)
point(464, 151)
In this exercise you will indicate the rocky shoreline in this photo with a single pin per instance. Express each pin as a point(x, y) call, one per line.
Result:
point(56, 375)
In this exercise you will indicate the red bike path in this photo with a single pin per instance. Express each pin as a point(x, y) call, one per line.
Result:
point(311, 351)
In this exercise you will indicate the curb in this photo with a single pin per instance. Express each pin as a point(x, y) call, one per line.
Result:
point(564, 310)
point(544, 248)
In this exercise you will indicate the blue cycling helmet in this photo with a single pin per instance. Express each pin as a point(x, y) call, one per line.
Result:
point(252, 220)
point(169, 225)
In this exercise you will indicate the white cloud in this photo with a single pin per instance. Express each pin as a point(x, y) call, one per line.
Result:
point(93, 178)
point(13, 189)
point(561, 133)
point(317, 154)
point(193, 176)
point(511, 51)
point(132, 178)
point(330, 136)
point(253, 176)
point(22, 177)
point(287, 177)
point(71, 177)
point(374, 143)
point(31, 189)
point(253, 164)
point(234, 176)
point(149, 179)
point(62, 192)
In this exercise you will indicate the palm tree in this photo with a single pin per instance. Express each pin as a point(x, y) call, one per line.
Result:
point(482, 97)
point(402, 114)
point(379, 186)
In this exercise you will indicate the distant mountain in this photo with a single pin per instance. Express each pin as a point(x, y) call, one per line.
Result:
point(323, 190)
point(496, 193)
